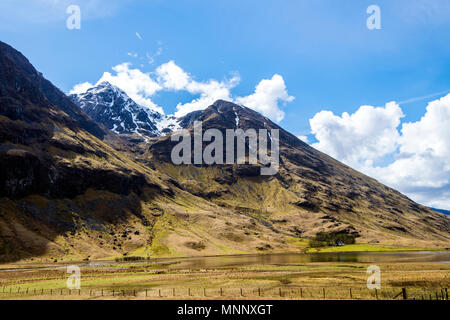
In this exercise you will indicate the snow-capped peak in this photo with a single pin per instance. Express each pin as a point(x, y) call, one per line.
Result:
point(111, 106)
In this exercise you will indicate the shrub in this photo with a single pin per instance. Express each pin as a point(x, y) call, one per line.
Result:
point(313, 243)
point(323, 239)
point(130, 258)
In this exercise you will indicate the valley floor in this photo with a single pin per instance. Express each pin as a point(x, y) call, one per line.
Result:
point(145, 280)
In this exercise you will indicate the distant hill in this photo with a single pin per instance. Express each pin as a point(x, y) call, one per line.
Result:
point(441, 211)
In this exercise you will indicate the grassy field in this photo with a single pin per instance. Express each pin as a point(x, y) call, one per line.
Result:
point(144, 280)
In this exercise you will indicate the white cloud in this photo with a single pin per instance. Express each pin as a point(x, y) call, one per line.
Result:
point(420, 151)
point(368, 134)
point(141, 87)
point(137, 84)
point(266, 96)
point(81, 88)
point(431, 133)
point(423, 160)
point(303, 138)
point(172, 77)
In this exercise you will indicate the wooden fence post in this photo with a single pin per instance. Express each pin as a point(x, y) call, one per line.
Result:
point(405, 296)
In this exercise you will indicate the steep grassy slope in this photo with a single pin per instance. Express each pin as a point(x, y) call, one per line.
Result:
point(311, 192)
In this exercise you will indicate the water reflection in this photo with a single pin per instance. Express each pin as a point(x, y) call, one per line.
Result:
point(292, 258)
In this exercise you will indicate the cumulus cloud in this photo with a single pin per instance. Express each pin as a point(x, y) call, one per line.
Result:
point(138, 85)
point(366, 135)
point(141, 87)
point(303, 138)
point(266, 97)
point(420, 151)
point(81, 88)
point(210, 92)
point(172, 77)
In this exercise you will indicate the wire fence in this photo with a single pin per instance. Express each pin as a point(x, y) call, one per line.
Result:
point(308, 293)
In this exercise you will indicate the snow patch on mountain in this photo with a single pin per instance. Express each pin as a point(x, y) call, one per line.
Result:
point(111, 106)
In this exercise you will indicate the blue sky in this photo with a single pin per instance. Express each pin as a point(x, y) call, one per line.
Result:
point(322, 49)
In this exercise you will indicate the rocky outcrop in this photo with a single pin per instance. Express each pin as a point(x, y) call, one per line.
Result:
point(112, 107)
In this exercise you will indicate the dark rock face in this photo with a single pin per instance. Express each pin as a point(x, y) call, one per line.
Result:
point(22, 89)
point(38, 126)
point(110, 106)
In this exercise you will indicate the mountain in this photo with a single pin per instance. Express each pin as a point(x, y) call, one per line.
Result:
point(311, 192)
point(110, 106)
point(72, 189)
point(59, 176)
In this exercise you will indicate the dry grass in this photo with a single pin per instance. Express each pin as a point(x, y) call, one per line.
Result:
point(295, 281)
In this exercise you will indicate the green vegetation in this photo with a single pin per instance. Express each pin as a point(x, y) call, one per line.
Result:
point(130, 258)
point(366, 248)
point(323, 239)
